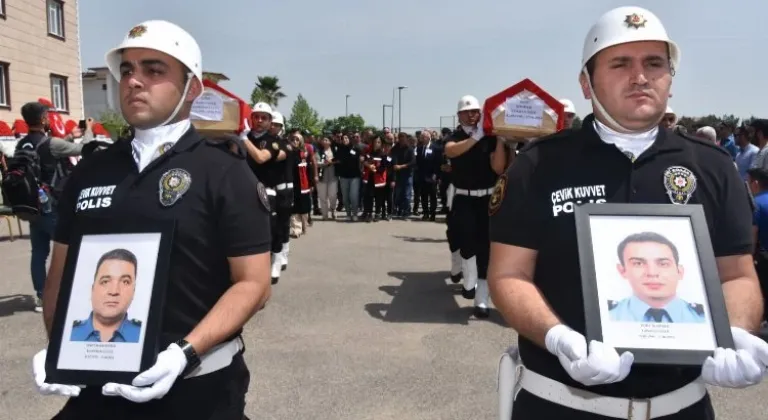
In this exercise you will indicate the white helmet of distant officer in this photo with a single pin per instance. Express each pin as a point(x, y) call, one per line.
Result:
point(278, 123)
point(670, 118)
point(159, 68)
point(468, 111)
point(628, 62)
point(569, 111)
point(261, 119)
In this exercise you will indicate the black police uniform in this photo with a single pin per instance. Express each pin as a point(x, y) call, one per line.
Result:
point(221, 212)
point(277, 177)
point(551, 176)
point(474, 180)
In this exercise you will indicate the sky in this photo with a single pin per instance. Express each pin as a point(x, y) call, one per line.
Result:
point(442, 50)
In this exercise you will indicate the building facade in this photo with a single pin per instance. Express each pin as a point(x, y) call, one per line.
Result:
point(40, 56)
point(100, 92)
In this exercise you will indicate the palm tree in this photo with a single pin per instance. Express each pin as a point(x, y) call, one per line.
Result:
point(267, 90)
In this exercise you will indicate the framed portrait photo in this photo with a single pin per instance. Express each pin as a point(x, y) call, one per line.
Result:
point(650, 282)
point(110, 304)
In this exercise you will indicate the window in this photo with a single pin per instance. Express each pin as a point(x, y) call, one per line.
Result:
point(59, 93)
point(5, 86)
point(55, 18)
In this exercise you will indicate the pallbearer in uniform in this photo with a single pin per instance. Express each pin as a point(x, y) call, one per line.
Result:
point(218, 274)
point(476, 161)
point(277, 130)
point(267, 156)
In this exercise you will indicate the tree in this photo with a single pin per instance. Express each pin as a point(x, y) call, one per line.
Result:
point(352, 122)
point(576, 122)
point(304, 117)
point(114, 123)
point(267, 90)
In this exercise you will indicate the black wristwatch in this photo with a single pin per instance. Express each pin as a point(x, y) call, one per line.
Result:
point(193, 360)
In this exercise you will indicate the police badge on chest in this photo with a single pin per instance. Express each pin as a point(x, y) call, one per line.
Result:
point(173, 185)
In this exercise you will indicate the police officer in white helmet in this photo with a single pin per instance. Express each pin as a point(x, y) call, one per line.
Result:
point(269, 157)
point(476, 162)
point(620, 155)
point(570, 113)
point(670, 119)
point(278, 124)
point(219, 260)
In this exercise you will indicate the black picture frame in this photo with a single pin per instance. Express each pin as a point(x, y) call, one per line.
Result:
point(98, 227)
point(718, 314)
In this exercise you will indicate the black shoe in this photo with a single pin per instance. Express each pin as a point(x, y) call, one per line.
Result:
point(275, 280)
point(457, 278)
point(425, 218)
point(482, 313)
point(468, 294)
point(432, 218)
point(284, 267)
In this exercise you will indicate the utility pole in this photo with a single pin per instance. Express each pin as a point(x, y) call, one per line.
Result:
point(400, 108)
point(346, 105)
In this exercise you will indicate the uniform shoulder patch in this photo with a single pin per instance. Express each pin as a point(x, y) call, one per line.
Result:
point(612, 304)
point(231, 143)
point(262, 191)
point(697, 307)
point(499, 191)
point(702, 142)
point(135, 322)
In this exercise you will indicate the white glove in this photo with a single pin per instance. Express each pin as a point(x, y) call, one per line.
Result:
point(738, 368)
point(246, 130)
point(156, 381)
point(479, 133)
point(38, 370)
point(603, 364)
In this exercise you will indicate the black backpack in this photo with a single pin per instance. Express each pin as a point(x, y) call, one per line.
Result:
point(21, 182)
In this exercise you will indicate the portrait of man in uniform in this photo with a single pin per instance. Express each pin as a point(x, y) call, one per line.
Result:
point(112, 292)
point(650, 263)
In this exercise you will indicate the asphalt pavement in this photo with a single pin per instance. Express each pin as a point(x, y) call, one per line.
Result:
point(363, 325)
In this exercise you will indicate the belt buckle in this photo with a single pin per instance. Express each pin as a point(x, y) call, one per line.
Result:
point(631, 409)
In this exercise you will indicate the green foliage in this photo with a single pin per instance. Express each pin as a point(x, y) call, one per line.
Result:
point(304, 117)
point(114, 123)
point(352, 122)
point(267, 90)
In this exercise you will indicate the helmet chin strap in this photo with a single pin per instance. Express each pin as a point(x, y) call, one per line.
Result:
point(190, 77)
point(609, 121)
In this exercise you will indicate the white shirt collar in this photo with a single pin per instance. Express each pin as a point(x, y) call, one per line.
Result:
point(148, 145)
point(634, 143)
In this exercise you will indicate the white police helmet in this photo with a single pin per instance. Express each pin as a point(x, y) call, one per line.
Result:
point(262, 107)
point(568, 105)
point(277, 118)
point(163, 36)
point(468, 103)
point(623, 25)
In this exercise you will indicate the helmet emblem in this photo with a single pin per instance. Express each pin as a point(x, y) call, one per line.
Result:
point(137, 31)
point(635, 21)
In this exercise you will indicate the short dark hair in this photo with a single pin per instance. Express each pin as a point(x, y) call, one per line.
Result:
point(646, 237)
point(32, 112)
point(761, 126)
point(760, 175)
point(120, 255)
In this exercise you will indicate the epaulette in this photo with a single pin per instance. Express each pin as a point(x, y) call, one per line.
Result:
point(230, 142)
point(77, 323)
point(135, 322)
point(697, 307)
point(560, 135)
point(702, 142)
point(612, 304)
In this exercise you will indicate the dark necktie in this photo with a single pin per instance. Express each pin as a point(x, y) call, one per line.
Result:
point(657, 315)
